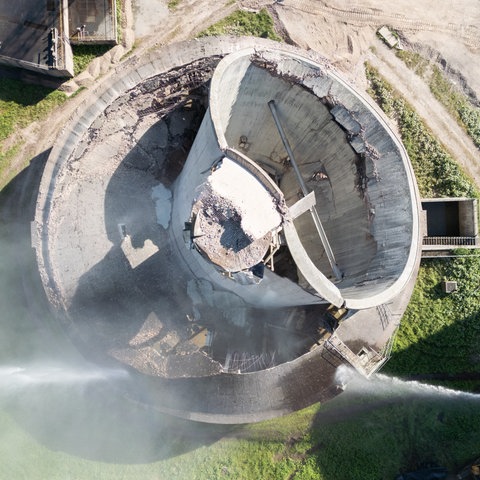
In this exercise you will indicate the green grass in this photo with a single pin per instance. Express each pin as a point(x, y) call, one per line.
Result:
point(440, 332)
point(173, 4)
point(6, 157)
point(414, 61)
point(375, 443)
point(244, 23)
point(445, 93)
point(119, 18)
point(21, 104)
point(470, 117)
point(84, 54)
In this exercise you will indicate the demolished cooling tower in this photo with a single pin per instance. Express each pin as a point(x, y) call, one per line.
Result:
point(229, 222)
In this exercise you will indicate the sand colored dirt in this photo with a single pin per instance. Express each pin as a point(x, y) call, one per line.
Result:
point(342, 31)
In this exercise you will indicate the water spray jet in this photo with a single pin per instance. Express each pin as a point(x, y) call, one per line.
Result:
point(380, 385)
point(37, 375)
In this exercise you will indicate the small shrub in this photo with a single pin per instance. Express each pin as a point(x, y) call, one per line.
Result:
point(470, 117)
point(244, 23)
point(173, 4)
point(414, 61)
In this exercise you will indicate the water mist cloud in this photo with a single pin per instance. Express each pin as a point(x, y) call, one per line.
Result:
point(15, 377)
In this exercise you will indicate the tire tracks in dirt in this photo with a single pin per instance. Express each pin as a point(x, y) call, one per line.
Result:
point(364, 16)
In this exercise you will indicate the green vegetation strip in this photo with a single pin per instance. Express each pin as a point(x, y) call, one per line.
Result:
point(437, 173)
point(21, 104)
point(119, 19)
point(414, 61)
point(244, 23)
point(173, 4)
point(457, 104)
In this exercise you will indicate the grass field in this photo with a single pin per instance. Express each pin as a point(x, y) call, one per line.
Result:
point(365, 435)
point(20, 105)
point(84, 54)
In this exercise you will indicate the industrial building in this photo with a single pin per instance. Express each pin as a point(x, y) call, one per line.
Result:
point(37, 35)
point(451, 223)
point(230, 221)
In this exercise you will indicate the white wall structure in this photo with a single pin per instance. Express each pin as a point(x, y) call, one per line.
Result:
point(360, 176)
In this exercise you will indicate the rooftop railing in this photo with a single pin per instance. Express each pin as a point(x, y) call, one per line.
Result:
point(450, 241)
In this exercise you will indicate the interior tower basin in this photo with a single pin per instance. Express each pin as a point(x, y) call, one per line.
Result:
point(336, 181)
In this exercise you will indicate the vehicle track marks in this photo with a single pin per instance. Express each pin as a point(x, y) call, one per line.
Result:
point(470, 34)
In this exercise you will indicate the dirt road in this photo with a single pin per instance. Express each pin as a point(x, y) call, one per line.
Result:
point(447, 17)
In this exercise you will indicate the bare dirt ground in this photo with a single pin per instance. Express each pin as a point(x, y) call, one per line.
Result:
point(341, 30)
point(344, 31)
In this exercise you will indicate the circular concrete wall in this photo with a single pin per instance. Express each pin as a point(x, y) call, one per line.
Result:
point(110, 270)
point(360, 174)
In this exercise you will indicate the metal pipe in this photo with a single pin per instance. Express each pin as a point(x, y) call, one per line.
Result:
point(316, 218)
